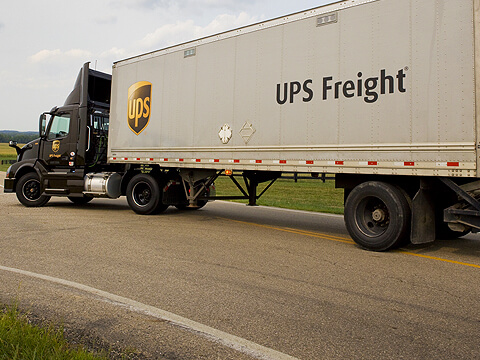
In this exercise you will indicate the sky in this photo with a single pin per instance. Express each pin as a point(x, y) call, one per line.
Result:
point(44, 43)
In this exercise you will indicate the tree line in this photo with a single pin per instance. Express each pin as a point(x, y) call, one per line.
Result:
point(18, 136)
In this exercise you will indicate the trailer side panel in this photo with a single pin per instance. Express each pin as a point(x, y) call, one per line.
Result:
point(382, 86)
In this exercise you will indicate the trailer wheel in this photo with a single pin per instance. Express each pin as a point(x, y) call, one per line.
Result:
point(377, 216)
point(29, 191)
point(144, 195)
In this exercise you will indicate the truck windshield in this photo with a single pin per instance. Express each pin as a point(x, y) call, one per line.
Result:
point(59, 126)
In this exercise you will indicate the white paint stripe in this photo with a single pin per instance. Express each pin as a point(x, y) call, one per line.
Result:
point(234, 342)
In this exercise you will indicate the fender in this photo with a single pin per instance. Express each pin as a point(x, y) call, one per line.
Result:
point(17, 170)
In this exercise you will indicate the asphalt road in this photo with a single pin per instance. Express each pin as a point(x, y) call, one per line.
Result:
point(286, 283)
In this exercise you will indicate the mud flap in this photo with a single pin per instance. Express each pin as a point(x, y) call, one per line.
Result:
point(423, 216)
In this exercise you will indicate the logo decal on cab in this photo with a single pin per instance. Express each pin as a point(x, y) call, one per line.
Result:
point(56, 145)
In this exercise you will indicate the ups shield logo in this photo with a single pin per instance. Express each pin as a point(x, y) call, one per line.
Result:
point(139, 95)
point(56, 145)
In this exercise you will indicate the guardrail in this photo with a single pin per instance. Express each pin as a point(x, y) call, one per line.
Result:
point(8, 162)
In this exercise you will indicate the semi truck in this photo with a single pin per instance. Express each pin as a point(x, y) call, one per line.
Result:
point(384, 94)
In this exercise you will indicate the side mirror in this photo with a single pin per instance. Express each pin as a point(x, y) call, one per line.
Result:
point(13, 144)
point(42, 124)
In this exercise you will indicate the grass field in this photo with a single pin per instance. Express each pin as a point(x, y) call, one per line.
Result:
point(6, 153)
point(306, 194)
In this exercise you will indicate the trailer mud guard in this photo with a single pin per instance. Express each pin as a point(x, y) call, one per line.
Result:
point(423, 215)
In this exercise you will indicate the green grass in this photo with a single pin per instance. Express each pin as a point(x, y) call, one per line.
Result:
point(7, 153)
point(21, 340)
point(306, 194)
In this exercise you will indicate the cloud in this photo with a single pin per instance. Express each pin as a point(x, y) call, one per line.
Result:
point(69, 59)
point(226, 22)
point(169, 34)
point(43, 55)
point(149, 4)
point(59, 56)
point(113, 52)
point(2, 25)
point(144, 4)
point(189, 5)
point(229, 4)
point(106, 20)
point(108, 57)
point(182, 31)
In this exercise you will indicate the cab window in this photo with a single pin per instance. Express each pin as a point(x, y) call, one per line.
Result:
point(59, 127)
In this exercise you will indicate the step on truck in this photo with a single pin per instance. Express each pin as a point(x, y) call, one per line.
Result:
point(384, 94)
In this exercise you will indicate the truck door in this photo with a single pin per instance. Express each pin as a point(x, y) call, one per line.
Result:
point(59, 146)
point(58, 155)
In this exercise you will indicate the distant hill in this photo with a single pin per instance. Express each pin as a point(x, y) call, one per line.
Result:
point(22, 137)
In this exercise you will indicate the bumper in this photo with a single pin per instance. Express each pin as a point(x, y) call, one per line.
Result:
point(9, 185)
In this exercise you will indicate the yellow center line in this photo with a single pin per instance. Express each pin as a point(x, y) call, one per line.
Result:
point(345, 240)
point(320, 235)
point(438, 259)
point(296, 231)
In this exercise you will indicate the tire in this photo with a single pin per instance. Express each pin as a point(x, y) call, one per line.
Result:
point(80, 200)
point(29, 191)
point(144, 195)
point(377, 216)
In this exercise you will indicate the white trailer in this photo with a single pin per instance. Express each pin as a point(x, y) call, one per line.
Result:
point(362, 87)
point(381, 93)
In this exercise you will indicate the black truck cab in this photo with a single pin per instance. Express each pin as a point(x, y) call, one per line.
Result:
point(72, 142)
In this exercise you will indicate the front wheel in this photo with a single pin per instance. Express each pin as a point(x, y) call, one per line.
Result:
point(29, 191)
point(377, 216)
point(144, 195)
